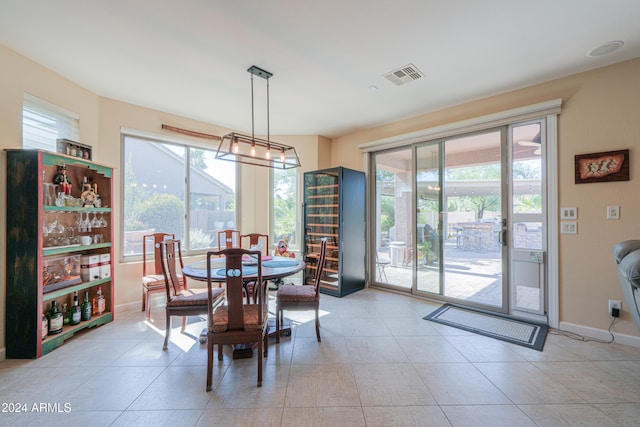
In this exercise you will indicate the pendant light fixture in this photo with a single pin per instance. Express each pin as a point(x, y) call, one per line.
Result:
point(237, 147)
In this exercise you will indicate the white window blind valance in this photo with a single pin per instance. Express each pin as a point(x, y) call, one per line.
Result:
point(43, 123)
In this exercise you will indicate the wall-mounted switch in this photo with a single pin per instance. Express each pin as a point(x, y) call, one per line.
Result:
point(568, 213)
point(569, 227)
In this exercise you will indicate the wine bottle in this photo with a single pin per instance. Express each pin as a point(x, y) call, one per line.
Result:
point(45, 326)
point(55, 319)
point(65, 314)
point(99, 302)
point(75, 313)
point(86, 307)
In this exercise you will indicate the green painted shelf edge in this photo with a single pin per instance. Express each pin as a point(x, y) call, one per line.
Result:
point(74, 248)
point(48, 296)
point(75, 209)
point(54, 159)
point(53, 341)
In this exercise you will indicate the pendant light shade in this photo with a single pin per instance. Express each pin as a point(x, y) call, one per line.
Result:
point(248, 149)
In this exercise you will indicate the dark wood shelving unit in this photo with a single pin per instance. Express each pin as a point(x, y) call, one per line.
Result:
point(30, 251)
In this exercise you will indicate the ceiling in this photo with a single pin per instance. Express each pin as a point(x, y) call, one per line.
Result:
point(190, 57)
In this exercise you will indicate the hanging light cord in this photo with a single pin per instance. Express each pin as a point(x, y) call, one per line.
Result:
point(268, 138)
point(253, 133)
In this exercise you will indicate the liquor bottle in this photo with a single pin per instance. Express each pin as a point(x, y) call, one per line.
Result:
point(45, 326)
point(86, 307)
point(55, 319)
point(75, 314)
point(99, 302)
point(65, 314)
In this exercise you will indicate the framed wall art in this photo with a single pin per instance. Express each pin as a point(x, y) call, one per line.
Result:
point(606, 166)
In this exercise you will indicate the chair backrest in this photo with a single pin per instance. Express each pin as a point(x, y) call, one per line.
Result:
point(228, 239)
point(235, 286)
point(171, 257)
point(254, 239)
point(153, 239)
point(320, 266)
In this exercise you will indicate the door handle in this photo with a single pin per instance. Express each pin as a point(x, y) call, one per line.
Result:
point(502, 237)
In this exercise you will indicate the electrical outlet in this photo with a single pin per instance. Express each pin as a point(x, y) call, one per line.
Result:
point(615, 304)
point(613, 212)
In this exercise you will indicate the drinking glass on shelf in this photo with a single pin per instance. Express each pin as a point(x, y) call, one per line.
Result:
point(87, 224)
point(56, 226)
point(83, 223)
point(103, 222)
point(78, 223)
point(61, 199)
point(95, 222)
point(49, 193)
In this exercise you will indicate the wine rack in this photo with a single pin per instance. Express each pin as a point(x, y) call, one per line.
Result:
point(50, 237)
point(334, 202)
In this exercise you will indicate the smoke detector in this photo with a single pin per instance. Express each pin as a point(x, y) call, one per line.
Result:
point(404, 75)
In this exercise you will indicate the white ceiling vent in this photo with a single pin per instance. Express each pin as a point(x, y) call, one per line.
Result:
point(404, 75)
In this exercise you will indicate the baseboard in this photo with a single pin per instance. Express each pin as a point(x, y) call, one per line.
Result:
point(156, 301)
point(130, 306)
point(600, 334)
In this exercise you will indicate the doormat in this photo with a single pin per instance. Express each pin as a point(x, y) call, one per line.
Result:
point(531, 335)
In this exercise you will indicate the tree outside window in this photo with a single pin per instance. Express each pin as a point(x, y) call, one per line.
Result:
point(156, 188)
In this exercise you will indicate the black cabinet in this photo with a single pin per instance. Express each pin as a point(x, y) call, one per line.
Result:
point(334, 208)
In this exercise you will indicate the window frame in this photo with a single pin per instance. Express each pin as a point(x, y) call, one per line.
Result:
point(187, 143)
point(296, 247)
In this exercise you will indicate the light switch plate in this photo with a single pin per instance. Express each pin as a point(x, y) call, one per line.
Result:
point(568, 213)
point(569, 227)
point(613, 212)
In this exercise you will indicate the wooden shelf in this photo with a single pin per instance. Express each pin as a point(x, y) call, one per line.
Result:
point(48, 296)
point(57, 250)
point(53, 341)
point(75, 209)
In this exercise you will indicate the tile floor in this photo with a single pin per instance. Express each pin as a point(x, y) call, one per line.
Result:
point(379, 364)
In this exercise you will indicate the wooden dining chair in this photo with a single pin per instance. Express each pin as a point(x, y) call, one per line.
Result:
point(228, 239)
point(152, 277)
point(253, 239)
point(239, 321)
point(180, 300)
point(302, 297)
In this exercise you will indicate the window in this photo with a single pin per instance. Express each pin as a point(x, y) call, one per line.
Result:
point(172, 187)
point(43, 123)
point(285, 206)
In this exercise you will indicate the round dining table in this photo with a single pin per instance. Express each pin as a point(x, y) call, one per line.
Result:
point(272, 268)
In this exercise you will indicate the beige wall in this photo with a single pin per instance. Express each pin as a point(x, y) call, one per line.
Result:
point(101, 120)
point(600, 112)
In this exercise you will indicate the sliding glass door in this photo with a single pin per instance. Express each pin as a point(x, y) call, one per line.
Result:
point(473, 193)
point(461, 219)
point(394, 223)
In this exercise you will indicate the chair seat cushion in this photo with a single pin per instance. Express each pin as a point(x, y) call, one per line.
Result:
point(251, 318)
point(155, 281)
point(296, 293)
point(189, 297)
